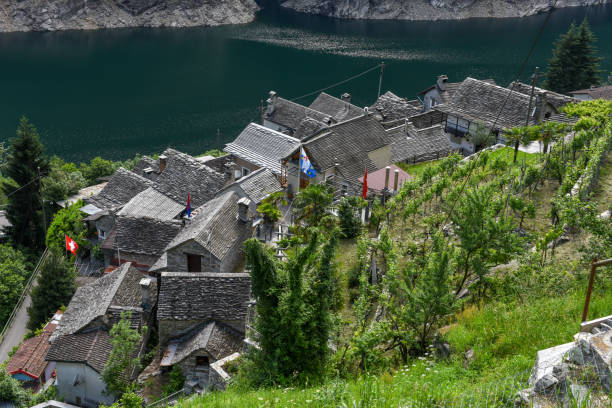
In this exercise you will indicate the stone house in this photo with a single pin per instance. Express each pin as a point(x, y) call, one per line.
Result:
point(201, 319)
point(338, 109)
point(260, 147)
point(80, 344)
point(211, 240)
point(341, 153)
point(286, 116)
point(255, 187)
point(602, 92)
point(477, 104)
point(412, 145)
point(441, 92)
point(392, 110)
point(138, 240)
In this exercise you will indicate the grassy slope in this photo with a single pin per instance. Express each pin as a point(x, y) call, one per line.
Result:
point(504, 337)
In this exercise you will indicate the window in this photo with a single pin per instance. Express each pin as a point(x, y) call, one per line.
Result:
point(245, 171)
point(101, 234)
point(237, 174)
point(344, 189)
point(201, 361)
point(194, 263)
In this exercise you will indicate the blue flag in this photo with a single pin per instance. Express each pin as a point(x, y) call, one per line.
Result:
point(188, 209)
point(305, 164)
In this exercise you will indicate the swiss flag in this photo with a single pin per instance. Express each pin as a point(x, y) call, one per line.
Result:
point(71, 245)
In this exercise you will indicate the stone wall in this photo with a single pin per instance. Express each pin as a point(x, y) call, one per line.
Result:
point(177, 258)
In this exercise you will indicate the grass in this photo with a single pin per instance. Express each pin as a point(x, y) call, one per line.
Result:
point(504, 339)
point(603, 192)
point(505, 152)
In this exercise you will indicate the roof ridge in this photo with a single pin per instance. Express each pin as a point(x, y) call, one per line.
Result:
point(511, 91)
point(305, 107)
point(272, 131)
point(339, 99)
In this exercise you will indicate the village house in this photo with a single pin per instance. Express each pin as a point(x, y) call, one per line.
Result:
point(340, 155)
point(481, 108)
point(80, 344)
point(211, 240)
point(256, 186)
point(602, 92)
point(392, 110)
point(28, 364)
point(391, 179)
point(138, 240)
point(555, 99)
point(201, 319)
point(412, 145)
point(286, 116)
point(338, 109)
point(260, 147)
point(441, 92)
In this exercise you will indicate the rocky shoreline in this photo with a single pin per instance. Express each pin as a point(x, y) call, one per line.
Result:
point(430, 10)
point(50, 15)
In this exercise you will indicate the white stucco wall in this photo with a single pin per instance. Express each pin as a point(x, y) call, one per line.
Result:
point(90, 388)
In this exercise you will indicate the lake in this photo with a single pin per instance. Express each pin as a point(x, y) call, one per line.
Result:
point(115, 93)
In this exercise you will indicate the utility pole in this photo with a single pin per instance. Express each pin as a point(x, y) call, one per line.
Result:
point(42, 202)
point(534, 80)
point(218, 139)
point(382, 70)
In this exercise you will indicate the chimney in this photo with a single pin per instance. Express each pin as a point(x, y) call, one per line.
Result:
point(346, 97)
point(365, 111)
point(163, 160)
point(396, 180)
point(387, 173)
point(271, 102)
point(243, 209)
point(442, 79)
point(145, 286)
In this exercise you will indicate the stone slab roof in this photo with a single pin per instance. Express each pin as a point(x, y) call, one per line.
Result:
point(262, 146)
point(203, 296)
point(141, 235)
point(603, 92)
point(556, 99)
point(120, 189)
point(348, 144)
point(30, 357)
point(390, 107)
point(92, 348)
point(308, 127)
point(257, 185)
point(412, 145)
point(335, 107)
point(184, 175)
point(215, 338)
point(480, 101)
point(152, 204)
point(216, 226)
point(290, 114)
point(119, 288)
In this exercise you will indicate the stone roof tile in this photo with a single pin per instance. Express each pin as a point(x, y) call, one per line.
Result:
point(335, 107)
point(120, 189)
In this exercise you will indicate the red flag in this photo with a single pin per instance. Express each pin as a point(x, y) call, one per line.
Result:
point(71, 245)
point(365, 185)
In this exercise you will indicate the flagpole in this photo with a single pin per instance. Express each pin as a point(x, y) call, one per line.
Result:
point(299, 170)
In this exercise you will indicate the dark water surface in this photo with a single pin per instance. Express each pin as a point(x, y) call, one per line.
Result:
point(115, 93)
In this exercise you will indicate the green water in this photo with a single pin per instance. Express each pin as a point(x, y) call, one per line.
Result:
point(115, 93)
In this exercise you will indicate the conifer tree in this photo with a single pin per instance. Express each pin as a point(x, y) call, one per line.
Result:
point(55, 287)
point(24, 209)
point(574, 64)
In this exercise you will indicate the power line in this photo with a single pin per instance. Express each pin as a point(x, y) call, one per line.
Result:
point(521, 70)
point(339, 83)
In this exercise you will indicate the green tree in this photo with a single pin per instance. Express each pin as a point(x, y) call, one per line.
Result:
point(64, 180)
point(128, 400)
point(574, 64)
point(13, 275)
point(25, 210)
point(349, 213)
point(11, 391)
point(294, 298)
point(55, 287)
point(67, 221)
point(98, 167)
point(122, 360)
point(312, 204)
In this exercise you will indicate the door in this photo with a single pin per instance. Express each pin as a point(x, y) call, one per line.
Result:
point(194, 263)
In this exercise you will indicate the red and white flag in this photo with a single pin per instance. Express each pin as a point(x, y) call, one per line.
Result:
point(364, 193)
point(71, 245)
